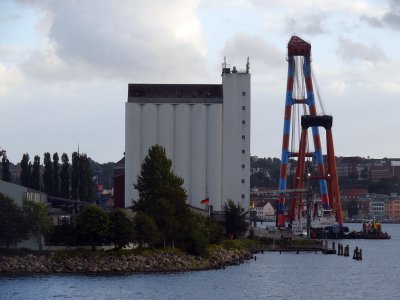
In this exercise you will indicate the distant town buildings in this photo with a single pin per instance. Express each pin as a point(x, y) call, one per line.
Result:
point(367, 169)
point(264, 210)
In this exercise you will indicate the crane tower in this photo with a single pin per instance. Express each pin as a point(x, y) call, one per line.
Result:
point(300, 100)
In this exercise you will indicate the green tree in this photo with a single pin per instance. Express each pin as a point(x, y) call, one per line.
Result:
point(155, 176)
point(146, 230)
point(352, 208)
point(385, 186)
point(200, 232)
point(235, 219)
point(259, 180)
point(35, 175)
point(81, 177)
point(92, 224)
point(64, 176)
point(213, 230)
point(161, 195)
point(122, 229)
point(197, 243)
point(6, 175)
point(47, 174)
point(29, 175)
point(56, 175)
point(86, 186)
point(25, 174)
point(75, 175)
point(12, 230)
point(36, 218)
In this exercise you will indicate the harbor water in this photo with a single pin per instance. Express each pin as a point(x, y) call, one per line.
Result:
point(271, 276)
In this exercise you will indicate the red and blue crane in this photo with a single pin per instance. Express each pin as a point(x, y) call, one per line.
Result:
point(300, 99)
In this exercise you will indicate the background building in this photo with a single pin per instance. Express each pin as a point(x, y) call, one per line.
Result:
point(205, 129)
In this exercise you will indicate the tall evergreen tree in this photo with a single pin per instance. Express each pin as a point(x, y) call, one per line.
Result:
point(85, 183)
point(35, 176)
point(24, 175)
point(47, 174)
point(6, 176)
point(74, 175)
point(56, 175)
point(64, 176)
point(161, 195)
point(29, 175)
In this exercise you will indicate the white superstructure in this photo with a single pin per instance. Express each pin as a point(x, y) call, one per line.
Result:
point(205, 130)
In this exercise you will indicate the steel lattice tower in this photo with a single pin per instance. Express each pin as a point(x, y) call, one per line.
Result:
point(299, 75)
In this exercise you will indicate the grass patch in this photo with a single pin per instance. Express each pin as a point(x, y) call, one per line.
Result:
point(241, 244)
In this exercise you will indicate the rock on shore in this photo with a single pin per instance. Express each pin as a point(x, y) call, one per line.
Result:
point(125, 264)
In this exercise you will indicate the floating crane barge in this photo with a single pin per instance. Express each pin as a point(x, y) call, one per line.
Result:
point(301, 114)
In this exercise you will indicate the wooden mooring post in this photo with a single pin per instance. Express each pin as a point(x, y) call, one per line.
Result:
point(342, 250)
point(357, 254)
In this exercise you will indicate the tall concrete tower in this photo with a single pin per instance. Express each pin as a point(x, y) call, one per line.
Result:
point(205, 129)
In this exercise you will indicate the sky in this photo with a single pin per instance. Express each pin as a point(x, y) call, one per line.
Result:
point(65, 67)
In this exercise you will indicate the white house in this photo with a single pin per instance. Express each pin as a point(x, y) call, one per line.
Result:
point(264, 210)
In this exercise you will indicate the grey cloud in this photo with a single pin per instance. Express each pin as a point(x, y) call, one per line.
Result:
point(391, 18)
point(375, 22)
point(264, 54)
point(117, 40)
point(350, 51)
point(306, 24)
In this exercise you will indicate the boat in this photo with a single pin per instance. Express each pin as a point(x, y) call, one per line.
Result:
point(371, 229)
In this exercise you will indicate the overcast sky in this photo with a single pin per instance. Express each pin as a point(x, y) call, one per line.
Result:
point(65, 67)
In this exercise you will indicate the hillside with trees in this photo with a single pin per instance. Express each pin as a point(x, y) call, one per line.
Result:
point(358, 174)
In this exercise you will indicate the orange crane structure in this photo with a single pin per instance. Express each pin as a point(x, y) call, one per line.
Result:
point(300, 94)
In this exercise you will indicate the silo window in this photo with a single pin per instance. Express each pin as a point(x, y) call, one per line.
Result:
point(243, 166)
point(243, 180)
point(243, 151)
point(243, 107)
point(243, 93)
point(243, 122)
point(243, 196)
point(243, 137)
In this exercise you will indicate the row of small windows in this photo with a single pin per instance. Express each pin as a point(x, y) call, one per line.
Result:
point(243, 138)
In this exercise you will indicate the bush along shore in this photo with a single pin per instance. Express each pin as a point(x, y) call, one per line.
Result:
point(119, 262)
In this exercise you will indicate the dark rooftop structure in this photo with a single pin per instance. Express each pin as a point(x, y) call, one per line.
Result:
point(175, 93)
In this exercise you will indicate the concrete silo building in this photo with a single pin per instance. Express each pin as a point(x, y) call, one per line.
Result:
point(205, 129)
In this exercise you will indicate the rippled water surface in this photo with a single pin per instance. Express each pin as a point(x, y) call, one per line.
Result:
point(271, 276)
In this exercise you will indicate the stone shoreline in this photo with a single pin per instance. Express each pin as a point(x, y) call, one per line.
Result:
point(159, 262)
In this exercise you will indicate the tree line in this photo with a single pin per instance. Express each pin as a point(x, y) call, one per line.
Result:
point(58, 179)
point(268, 176)
point(162, 218)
